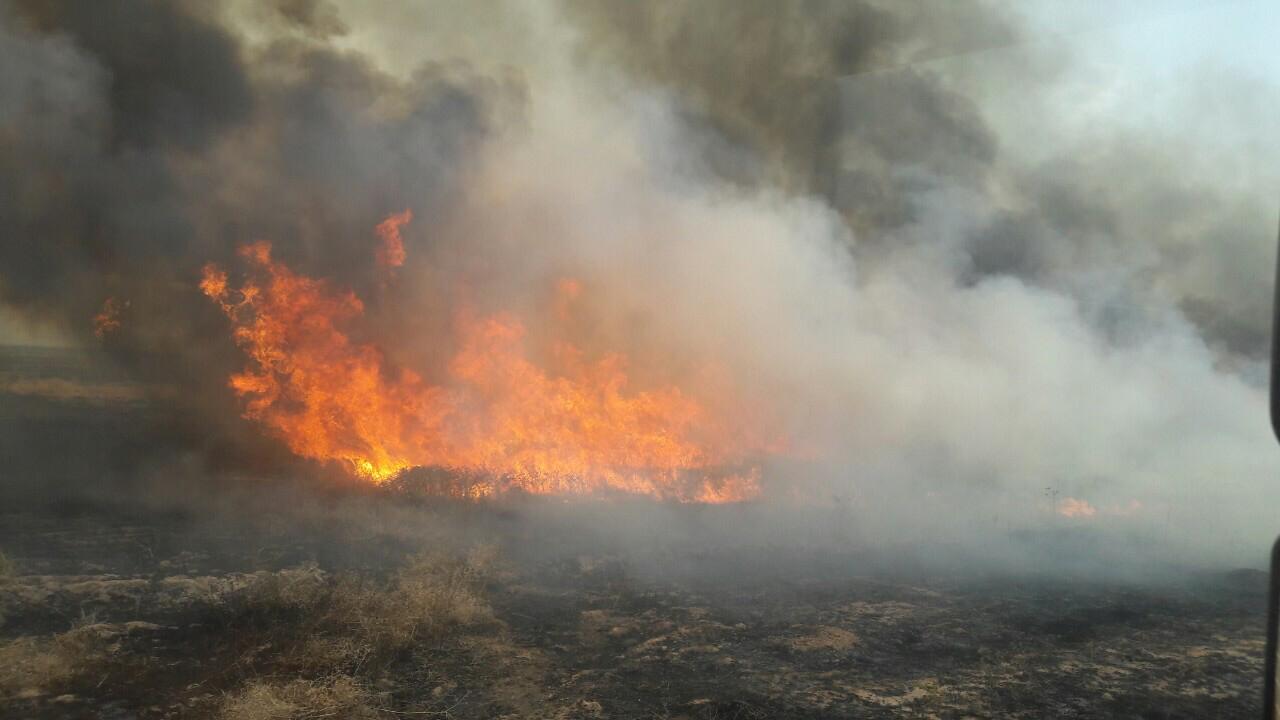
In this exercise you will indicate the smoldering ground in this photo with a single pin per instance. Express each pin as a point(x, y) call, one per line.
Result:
point(973, 343)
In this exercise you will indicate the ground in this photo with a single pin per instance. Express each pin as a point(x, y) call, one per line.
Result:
point(338, 614)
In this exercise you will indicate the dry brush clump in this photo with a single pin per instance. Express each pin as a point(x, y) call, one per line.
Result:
point(337, 697)
point(330, 633)
point(299, 590)
point(429, 595)
point(349, 613)
point(32, 666)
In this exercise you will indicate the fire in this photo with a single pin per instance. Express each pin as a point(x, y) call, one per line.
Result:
point(567, 291)
point(108, 319)
point(391, 253)
point(1075, 508)
point(576, 428)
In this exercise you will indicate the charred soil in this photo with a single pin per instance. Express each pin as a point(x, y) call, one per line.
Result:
point(165, 616)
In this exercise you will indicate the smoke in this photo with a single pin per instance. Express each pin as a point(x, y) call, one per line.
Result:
point(969, 334)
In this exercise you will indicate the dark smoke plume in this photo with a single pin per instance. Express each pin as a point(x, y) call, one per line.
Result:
point(832, 197)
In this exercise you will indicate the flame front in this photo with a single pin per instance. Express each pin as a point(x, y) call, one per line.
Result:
point(391, 252)
point(494, 414)
point(108, 319)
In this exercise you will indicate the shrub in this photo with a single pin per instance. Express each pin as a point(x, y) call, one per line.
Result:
point(295, 590)
point(33, 665)
point(306, 624)
point(429, 595)
point(337, 697)
point(311, 623)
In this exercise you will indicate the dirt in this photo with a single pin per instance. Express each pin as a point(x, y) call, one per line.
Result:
point(594, 635)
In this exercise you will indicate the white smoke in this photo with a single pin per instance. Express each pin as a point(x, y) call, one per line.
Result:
point(940, 404)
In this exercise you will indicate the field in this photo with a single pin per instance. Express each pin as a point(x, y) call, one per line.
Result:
point(387, 605)
point(151, 594)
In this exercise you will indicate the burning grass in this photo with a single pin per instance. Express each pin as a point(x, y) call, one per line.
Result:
point(573, 424)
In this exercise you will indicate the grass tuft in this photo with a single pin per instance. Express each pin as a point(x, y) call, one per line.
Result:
point(330, 635)
point(32, 666)
point(337, 697)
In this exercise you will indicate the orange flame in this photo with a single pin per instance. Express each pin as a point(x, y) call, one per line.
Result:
point(495, 413)
point(391, 252)
point(567, 291)
point(108, 319)
point(1076, 508)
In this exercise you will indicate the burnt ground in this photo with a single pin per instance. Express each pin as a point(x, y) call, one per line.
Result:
point(578, 632)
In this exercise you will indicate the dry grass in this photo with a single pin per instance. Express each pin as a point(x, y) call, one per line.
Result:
point(338, 697)
point(301, 589)
point(330, 633)
point(426, 598)
point(332, 621)
point(31, 666)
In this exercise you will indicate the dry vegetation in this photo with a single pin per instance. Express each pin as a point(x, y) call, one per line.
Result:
point(29, 666)
point(338, 697)
point(325, 637)
point(294, 643)
point(301, 625)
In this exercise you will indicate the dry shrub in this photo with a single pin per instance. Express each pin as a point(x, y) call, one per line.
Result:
point(482, 561)
point(334, 627)
point(323, 654)
point(306, 623)
point(429, 595)
point(440, 591)
point(30, 666)
point(337, 697)
point(299, 589)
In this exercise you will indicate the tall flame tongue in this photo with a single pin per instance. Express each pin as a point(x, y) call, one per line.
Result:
point(496, 415)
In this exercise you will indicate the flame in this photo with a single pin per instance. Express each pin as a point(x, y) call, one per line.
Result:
point(1076, 508)
point(391, 252)
point(494, 414)
point(567, 291)
point(108, 319)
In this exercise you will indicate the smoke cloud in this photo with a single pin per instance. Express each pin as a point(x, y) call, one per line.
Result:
point(969, 335)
